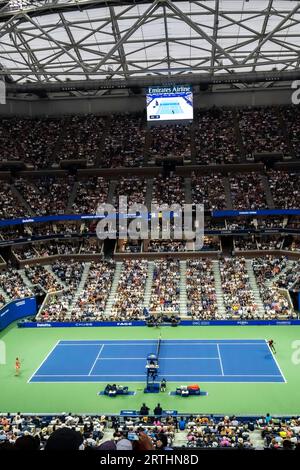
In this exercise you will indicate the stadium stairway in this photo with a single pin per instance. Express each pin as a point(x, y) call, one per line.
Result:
point(72, 197)
point(4, 294)
point(188, 190)
point(227, 191)
point(147, 147)
point(111, 192)
point(219, 290)
point(149, 191)
point(22, 201)
point(99, 154)
point(193, 145)
point(182, 285)
point(59, 280)
point(148, 285)
point(28, 282)
point(286, 136)
point(268, 193)
point(238, 135)
point(255, 288)
point(112, 295)
point(289, 265)
point(80, 287)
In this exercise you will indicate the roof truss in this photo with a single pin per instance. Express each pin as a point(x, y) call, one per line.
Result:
point(55, 41)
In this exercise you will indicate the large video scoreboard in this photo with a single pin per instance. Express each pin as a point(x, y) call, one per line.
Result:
point(170, 103)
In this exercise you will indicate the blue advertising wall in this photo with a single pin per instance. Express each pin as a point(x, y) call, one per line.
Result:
point(143, 323)
point(17, 309)
point(72, 217)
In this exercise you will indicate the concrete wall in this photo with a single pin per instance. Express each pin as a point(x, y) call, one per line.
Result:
point(119, 103)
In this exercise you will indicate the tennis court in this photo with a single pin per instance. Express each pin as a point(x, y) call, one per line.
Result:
point(180, 361)
point(169, 107)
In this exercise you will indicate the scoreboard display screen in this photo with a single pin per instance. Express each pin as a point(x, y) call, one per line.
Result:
point(170, 103)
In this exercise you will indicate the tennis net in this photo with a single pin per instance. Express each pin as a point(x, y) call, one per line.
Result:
point(158, 347)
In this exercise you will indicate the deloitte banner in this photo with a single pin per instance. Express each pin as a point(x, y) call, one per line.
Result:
point(78, 325)
point(17, 309)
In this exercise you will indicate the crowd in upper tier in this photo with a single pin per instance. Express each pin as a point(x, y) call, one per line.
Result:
point(57, 195)
point(218, 136)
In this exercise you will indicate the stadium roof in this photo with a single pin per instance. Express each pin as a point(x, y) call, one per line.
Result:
point(46, 41)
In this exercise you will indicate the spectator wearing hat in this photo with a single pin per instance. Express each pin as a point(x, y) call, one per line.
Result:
point(64, 439)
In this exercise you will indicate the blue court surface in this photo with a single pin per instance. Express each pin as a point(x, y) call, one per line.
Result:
point(181, 361)
point(167, 108)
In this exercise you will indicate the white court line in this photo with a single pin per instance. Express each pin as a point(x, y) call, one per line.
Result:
point(220, 359)
point(170, 381)
point(164, 358)
point(99, 353)
point(166, 343)
point(50, 352)
point(275, 360)
point(165, 375)
point(108, 344)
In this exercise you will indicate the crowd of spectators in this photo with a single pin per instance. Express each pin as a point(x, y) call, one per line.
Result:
point(247, 191)
point(209, 432)
point(10, 206)
point(47, 195)
point(40, 275)
point(173, 140)
point(81, 138)
point(280, 433)
point(51, 195)
point(167, 246)
point(133, 188)
point(129, 298)
point(25, 252)
point(215, 137)
point(129, 246)
point(72, 432)
point(55, 248)
point(63, 432)
point(238, 297)
point(169, 190)
point(285, 190)
point(200, 289)
point(13, 284)
point(91, 304)
point(290, 116)
point(209, 191)
point(289, 276)
point(120, 139)
point(261, 131)
point(269, 243)
point(90, 193)
point(90, 246)
point(165, 291)
point(269, 222)
point(124, 142)
point(57, 306)
point(245, 243)
point(268, 267)
point(292, 244)
point(266, 270)
point(32, 141)
point(2, 301)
